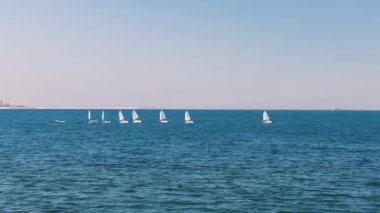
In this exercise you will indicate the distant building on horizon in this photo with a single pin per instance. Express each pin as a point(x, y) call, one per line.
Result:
point(5, 104)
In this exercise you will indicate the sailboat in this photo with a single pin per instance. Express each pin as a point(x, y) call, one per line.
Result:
point(266, 119)
point(188, 118)
point(163, 117)
point(135, 117)
point(121, 118)
point(91, 120)
point(104, 121)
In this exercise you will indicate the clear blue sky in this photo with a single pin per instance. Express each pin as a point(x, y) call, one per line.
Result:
point(191, 54)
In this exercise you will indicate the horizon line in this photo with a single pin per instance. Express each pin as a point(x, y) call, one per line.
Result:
point(183, 108)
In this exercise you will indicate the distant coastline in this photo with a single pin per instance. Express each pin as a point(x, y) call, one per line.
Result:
point(6, 105)
point(9, 105)
point(196, 109)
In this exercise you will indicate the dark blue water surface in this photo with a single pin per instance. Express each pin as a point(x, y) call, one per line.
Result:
point(227, 161)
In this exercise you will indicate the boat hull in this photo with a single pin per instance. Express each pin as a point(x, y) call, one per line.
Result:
point(137, 121)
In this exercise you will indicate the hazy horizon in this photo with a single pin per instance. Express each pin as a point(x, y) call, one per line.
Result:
point(191, 54)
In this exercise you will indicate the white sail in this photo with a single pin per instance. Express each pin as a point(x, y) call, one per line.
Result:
point(135, 116)
point(90, 119)
point(266, 118)
point(162, 116)
point(121, 116)
point(104, 121)
point(187, 116)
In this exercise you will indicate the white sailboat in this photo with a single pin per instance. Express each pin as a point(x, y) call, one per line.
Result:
point(135, 117)
point(121, 118)
point(163, 117)
point(104, 121)
point(188, 118)
point(266, 119)
point(91, 120)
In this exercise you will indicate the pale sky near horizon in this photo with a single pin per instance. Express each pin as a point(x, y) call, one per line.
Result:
point(191, 54)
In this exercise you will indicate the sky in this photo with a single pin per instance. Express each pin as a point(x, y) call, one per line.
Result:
point(219, 54)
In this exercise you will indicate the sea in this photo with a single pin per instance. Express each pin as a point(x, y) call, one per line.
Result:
point(227, 161)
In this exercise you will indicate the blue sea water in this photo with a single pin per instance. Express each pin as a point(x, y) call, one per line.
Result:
point(227, 161)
